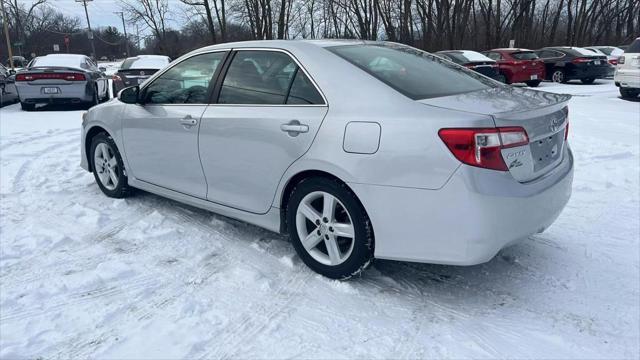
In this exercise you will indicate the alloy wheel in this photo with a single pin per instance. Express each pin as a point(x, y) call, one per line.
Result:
point(106, 166)
point(558, 76)
point(325, 228)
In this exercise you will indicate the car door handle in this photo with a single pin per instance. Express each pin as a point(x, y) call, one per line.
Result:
point(294, 127)
point(188, 121)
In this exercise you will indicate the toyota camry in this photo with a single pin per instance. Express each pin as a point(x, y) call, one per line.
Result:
point(357, 150)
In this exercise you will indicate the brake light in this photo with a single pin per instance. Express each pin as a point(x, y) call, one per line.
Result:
point(481, 147)
point(580, 60)
point(469, 66)
point(621, 60)
point(116, 78)
point(51, 76)
point(613, 62)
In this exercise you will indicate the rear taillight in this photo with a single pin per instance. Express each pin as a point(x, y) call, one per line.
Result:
point(51, 76)
point(621, 60)
point(581, 60)
point(613, 62)
point(469, 66)
point(116, 78)
point(481, 147)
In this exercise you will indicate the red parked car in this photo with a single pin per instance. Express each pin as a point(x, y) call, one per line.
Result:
point(518, 65)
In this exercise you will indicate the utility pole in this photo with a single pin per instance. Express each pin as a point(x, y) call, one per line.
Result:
point(137, 36)
point(124, 27)
point(86, 12)
point(5, 21)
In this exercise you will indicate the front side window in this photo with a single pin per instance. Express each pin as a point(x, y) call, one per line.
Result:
point(412, 72)
point(186, 83)
point(266, 78)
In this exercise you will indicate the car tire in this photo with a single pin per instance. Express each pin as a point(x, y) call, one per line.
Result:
point(27, 107)
point(629, 93)
point(588, 81)
point(325, 251)
point(108, 167)
point(558, 76)
point(533, 83)
point(95, 100)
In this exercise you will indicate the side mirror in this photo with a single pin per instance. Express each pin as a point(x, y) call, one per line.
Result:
point(130, 95)
point(102, 68)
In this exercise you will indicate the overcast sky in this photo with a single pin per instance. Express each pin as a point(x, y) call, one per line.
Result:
point(101, 12)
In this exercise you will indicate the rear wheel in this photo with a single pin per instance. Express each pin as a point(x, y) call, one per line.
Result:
point(558, 76)
point(27, 107)
point(588, 80)
point(533, 83)
point(629, 93)
point(329, 228)
point(95, 100)
point(108, 168)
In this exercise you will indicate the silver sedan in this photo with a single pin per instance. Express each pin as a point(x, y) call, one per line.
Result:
point(357, 150)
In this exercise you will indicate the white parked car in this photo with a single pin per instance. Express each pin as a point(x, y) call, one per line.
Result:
point(627, 75)
point(356, 149)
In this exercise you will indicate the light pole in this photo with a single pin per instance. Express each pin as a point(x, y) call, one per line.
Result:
point(86, 12)
point(124, 27)
point(5, 21)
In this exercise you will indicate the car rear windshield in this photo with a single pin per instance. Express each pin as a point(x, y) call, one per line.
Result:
point(412, 72)
point(634, 47)
point(60, 61)
point(145, 63)
point(524, 55)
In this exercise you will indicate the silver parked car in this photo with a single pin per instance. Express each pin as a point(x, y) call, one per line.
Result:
point(357, 150)
point(61, 79)
point(8, 92)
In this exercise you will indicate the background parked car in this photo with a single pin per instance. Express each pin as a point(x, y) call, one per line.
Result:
point(474, 61)
point(8, 92)
point(564, 63)
point(611, 52)
point(627, 75)
point(18, 62)
point(518, 65)
point(135, 70)
point(61, 79)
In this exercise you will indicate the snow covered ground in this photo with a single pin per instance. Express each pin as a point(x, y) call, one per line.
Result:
point(85, 276)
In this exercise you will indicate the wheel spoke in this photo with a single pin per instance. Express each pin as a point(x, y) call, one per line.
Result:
point(113, 177)
point(104, 177)
point(328, 207)
point(343, 230)
point(309, 212)
point(113, 162)
point(333, 250)
point(312, 240)
point(104, 151)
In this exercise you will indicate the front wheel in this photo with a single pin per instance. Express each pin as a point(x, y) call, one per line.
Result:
point(588, 80)
point(533, 83)
point(108, 168)
point(329, 228)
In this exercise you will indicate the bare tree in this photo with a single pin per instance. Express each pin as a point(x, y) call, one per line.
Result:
point(154, 14)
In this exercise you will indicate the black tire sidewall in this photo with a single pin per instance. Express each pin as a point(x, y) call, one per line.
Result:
point(362, 252)
point(122, 188)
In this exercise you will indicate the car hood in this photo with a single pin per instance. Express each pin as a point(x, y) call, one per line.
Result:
point(498, 100)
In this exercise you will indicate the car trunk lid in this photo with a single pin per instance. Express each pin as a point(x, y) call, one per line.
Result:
point(544, 116)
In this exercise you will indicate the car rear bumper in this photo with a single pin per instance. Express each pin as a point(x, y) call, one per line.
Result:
point(466, 222)
point(589, 72)
point(525, 75)
point(67, 93)
point(627, 79)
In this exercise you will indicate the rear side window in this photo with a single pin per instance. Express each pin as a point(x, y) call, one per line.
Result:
point(257, 77)
point(493, 55)
point(412, 72)
point(525, 55)
point(634, 47)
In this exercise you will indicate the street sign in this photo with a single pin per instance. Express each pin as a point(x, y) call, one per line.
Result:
point(17, 43)
point(512, 43)
point(90, 35)
point(56, 47)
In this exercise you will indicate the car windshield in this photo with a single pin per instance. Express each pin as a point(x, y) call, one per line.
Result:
point(155, 62)
point(60, 61)
point(524, 55)
point(412, 72)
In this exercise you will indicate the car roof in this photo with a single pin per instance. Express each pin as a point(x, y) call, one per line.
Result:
point(286, 44)
point(510, 49)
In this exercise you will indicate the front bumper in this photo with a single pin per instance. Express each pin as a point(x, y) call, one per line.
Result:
point(477, 213)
